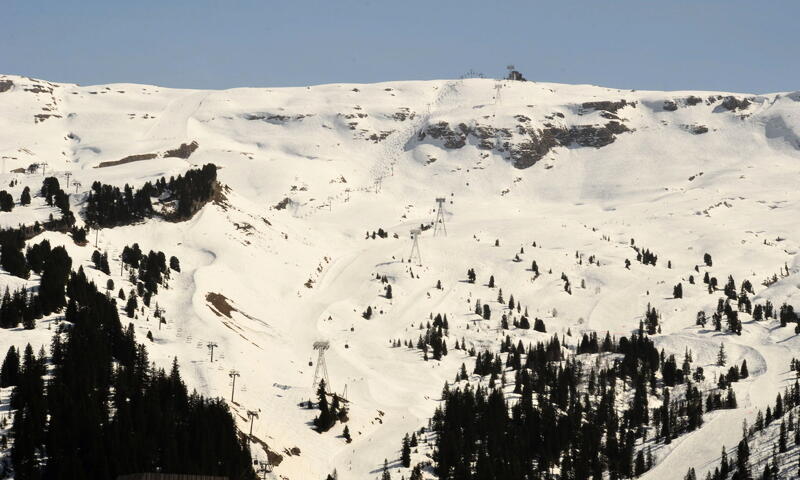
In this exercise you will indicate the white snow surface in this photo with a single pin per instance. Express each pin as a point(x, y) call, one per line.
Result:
point(305, 273)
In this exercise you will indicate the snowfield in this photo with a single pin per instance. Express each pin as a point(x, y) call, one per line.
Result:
point(282, 260)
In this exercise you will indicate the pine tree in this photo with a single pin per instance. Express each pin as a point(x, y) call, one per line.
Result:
point(25, 198)
point(6, 201)
point(55, 273)
point(405, 455)
point(639, 467)
point(9, 373)
point(666, 418)
point(131, 306)
point(326, 417)
point(722, 357)
point(724, 468)
point(782, 438)
point(386, 475)
point(743, 458)
point(538, 325)
point(416, 473)
point(730, 288)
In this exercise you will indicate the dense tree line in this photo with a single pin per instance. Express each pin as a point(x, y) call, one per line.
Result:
point(565, 413)
point(738, 301)
point(55, 196)
point(12, 240)
point(433, 341)
point(106, 410)
point(150, 269)
point(11, 257)
point(21, 306)
point(110, 206)
point(645, 256)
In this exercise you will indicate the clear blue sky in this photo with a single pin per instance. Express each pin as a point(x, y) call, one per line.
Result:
point(731, 45)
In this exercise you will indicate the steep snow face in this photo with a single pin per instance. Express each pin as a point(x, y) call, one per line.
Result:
point(281, 260)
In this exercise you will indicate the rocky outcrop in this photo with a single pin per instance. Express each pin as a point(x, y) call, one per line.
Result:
point(670, 106)
point(534, 143)
point(275, 118)
point(128, 159)
point(442, 131)
point(691, 100)
point(184, 151)
point(606, 105)
point(732, 103)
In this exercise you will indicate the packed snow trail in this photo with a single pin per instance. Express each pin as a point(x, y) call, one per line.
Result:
point(173, 122)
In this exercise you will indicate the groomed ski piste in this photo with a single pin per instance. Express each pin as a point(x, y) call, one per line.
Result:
point(280, 260)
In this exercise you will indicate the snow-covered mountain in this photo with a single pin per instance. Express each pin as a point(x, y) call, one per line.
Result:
point(280, 259)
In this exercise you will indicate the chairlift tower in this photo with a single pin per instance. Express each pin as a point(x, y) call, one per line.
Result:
point(211, 346)
point(415, 246)
point(252, 414)
point(439, 217)
point(321, 372)
point(233, 374)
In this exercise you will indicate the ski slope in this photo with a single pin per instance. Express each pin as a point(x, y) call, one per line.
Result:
point(351, 159)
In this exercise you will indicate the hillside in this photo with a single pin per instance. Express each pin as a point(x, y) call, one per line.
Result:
point(549, 173)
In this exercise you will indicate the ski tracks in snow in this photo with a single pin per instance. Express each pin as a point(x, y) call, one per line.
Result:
point(173, 121)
